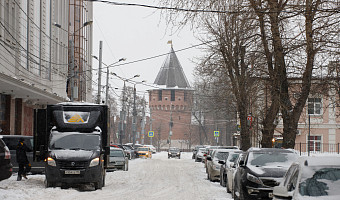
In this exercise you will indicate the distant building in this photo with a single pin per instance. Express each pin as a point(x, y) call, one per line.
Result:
point(170, 105)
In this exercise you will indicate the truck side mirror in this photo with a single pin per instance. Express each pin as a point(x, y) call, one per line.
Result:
point(107, 151)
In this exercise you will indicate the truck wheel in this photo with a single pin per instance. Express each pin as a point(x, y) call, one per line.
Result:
point(48, 184)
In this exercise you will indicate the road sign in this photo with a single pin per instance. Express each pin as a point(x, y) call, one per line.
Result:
point(216, 133)
point(151, 134)
point(250, 118)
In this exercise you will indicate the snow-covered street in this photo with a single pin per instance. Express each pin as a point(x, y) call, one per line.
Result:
point(147, 179)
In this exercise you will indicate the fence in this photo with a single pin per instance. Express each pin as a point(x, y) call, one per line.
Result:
point(317, 148)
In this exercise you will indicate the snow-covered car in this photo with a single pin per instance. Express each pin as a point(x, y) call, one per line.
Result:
point(117, 160)
point(200, 154)
point(311, 177)
point(153, 149)
point(226, 164)
point(174, 152)
point(261, 170)
point(231, 171)
point(213, 165)
point(195, 150)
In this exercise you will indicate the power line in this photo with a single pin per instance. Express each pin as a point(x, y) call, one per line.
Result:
point(203, 10)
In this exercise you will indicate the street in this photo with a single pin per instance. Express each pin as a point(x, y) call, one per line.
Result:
point(147, 179)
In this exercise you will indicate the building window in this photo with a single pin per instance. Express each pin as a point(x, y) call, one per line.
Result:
point(315, 143)
point(172, 95)
point(159, 95)
point(185, 96)
point(314, 106)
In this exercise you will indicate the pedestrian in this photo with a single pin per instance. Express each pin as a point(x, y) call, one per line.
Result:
point(22, 160)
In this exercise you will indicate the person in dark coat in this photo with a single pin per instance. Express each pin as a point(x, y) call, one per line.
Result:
point(22, 160)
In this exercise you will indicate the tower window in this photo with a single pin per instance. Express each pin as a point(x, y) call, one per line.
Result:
point(172, 95)
point(159, 95)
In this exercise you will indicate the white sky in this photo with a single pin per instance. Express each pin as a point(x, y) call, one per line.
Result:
point(137, 33)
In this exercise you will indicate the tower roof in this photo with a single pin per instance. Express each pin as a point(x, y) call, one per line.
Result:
point(171, 73)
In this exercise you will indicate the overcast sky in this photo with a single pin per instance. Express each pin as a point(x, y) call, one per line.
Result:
point(137, 33)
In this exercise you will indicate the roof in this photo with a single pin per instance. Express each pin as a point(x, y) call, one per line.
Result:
point(171, 73)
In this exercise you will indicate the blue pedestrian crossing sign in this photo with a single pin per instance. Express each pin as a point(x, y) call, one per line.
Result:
point(151, 134)
point(216, 133)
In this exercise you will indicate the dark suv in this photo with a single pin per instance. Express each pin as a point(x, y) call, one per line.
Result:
point(261, 170)
point(12, 141)
point(5, 161)
point(174, 152)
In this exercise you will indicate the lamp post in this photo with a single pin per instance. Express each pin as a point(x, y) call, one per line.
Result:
point(134, 114)
point(71, 61)
point(122, 112)
point(107, 75)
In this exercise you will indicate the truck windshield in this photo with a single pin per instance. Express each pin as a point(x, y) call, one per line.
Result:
point(74, 141)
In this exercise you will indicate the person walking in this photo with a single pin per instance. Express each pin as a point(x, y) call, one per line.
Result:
point(22, 160)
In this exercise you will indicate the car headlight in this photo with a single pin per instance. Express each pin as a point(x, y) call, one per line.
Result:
point(51, 162)
point(94, 162)
point(254, 179)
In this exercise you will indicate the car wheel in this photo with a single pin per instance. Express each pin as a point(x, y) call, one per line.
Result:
point(227, 186)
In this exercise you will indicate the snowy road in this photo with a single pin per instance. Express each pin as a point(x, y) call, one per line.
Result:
point(151, 179)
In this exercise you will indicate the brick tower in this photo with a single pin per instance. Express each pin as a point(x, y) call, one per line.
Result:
point(170, 105)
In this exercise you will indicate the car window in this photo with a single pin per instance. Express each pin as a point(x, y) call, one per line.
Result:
point(233, 157)
point(260, 159)
point(221, 155)
point(320, 182)
point(116, 153)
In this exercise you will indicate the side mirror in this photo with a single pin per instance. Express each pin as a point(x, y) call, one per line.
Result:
point(209, 158)
point(241, 163)
point(222, 162)
point(281, 191)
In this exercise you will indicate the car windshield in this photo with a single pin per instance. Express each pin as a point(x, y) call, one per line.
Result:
point(260, 159)
point(174, 150)
point(221, 155)
point(233, 157)
point(316, 181)
point(116, 153)
point(74, 141)
point(143, 149)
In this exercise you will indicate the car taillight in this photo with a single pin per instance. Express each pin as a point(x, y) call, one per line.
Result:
point(7, 153)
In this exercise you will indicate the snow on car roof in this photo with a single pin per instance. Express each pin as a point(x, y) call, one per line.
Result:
point(324, 160)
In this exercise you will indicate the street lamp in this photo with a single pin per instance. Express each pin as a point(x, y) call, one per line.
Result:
point(134, 114)
point(107, 75)
point(122, 113)
point(71, 61)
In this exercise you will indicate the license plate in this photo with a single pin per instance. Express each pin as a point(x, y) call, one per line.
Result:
point(72, 172)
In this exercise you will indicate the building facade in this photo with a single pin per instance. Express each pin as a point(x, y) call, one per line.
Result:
point(33, 60)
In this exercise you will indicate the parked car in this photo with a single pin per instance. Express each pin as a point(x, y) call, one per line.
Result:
point(199, 155)
point(210, 149)
point(117, 160)
point(130, 151)
point(127, 151)
point(231, 171)
point(213, 165)
point(5, 161)
point(195, 150)
point(174, 152)
point(226, 164)
point(311, 177)
point(12, 141)
point(153, 149)
point(144, 152)
point(261, 170)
